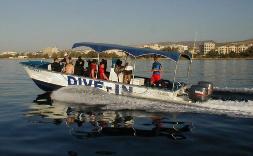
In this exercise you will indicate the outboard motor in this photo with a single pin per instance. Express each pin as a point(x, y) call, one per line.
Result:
point(208, 85)
point(198, 93)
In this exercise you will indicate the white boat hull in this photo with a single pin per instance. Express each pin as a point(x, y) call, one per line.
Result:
point(48, 81)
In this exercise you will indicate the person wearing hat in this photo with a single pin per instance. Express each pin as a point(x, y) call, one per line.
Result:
point(156, 69)
point(63, 62)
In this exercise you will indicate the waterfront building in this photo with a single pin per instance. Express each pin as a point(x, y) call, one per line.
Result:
point(83, 51)
point(182, 48)
point(12, 53)
point(242, 48)
point(223, 49)
point(232, 48)
point(226, 49)
point(22, 57)
point(154, 46)
point(208, 46)
point(50, 51)
point(178, 47)
point(117, 52)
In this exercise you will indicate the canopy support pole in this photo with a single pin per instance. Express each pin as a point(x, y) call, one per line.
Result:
point(97, 66)
point(174, 79)
point(188, 72)
point(133, 70)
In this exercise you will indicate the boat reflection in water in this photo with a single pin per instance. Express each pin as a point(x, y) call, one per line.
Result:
point(96, 121)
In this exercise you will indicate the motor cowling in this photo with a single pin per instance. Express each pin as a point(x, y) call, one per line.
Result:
point(198, 93)
point(207, 85)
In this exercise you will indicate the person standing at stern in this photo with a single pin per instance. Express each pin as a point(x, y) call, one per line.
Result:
point(156, 69)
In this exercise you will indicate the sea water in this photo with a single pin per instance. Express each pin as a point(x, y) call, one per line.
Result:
point(79, 124)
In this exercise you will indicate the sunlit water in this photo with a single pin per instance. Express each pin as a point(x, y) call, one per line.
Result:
point(79, 124)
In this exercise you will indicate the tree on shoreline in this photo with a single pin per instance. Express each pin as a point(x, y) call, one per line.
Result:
point(212, 54)
point(248, 52)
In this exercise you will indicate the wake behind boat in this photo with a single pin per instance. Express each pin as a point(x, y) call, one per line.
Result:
point(139, 87)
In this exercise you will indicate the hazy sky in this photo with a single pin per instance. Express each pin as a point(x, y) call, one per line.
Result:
point(36, 24)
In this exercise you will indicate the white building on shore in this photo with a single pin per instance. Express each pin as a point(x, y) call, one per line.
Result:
point(179, 47)
point(208, 46)
point(116, 51)
point(242, 48)
point(226, 49)
point(12, 53)
point(50, 51)
point(22, 57)
point(154, 46)
point(223, 49)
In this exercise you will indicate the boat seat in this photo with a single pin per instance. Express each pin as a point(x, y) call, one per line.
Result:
point(138, 81)
point(49, 67)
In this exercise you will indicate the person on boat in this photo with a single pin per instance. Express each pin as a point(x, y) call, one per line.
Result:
point(93, 69)
point(55, 66)
point(128, 70)
point(63, 62)
point(119, 70)
point(105, 64)
point(69, 68)
point(79, 66)
point(102, 71)
point(156, 69)
point(87, 69)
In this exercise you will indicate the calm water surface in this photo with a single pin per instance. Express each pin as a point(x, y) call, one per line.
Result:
point(39, 128)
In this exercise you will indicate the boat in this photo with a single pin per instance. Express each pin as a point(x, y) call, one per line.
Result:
point(171, 91)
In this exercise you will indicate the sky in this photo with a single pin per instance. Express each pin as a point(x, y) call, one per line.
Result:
point(36, 24)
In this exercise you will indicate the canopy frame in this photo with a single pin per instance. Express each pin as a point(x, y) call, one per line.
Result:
point(139, 52)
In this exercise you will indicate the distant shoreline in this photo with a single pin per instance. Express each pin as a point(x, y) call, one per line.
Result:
point(250, 58)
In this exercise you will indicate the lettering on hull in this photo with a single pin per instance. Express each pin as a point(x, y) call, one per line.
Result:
point(80, 81)
point(122, 89)
point(109, 87)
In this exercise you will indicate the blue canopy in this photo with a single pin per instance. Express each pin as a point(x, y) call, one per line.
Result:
point(135, 52)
